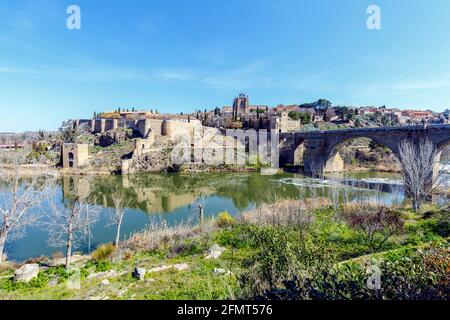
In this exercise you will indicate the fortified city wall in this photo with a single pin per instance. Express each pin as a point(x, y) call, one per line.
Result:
point(158, 127)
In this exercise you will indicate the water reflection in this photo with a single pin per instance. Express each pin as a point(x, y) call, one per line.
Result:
point(174, 198)
point(155, 194)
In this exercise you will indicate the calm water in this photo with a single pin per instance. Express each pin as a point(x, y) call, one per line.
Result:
point(174, 198)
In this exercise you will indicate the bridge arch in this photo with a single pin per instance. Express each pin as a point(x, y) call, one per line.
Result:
point(292, 149)
point(438, 167)
point(335, 160)
point(321, 146)
point(443, 144)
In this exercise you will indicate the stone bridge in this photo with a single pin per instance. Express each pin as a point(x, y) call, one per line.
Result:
point(321, 147)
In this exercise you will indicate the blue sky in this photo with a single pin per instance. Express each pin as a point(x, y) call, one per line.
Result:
point(178, 55)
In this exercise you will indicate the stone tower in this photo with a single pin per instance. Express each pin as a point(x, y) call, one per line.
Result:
point(74, 155)
point(240, 106)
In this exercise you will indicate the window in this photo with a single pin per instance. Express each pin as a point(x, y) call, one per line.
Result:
point(71, 159)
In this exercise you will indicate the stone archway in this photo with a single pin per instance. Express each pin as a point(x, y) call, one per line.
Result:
point(441, 169)
point(336, 161)
point(322, 153)
point(291, 150)
point(321, 146)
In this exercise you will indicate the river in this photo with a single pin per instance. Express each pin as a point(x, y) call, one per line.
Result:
point(174, 198)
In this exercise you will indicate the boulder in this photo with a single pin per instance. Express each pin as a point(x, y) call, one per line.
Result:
point(53, 283)
point(218, 271)
point(105, 274)
point(75, 259)
point(181, 266)
point(215, 252)
point(104, 282)
point(113, 136)
point(139, 273)
point(160, 268)
point(27, 272)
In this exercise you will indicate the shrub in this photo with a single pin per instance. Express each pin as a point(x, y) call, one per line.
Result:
point(236, 237)
point(38, 260)
point(102, 265)
point(280, 256)
point(103, 252)
point(57, 255)
point(376, 224)
point(287, 213)
point(407, 276)
point(225, 220)
point(60, 271)
point(442, 226)
point(422, 231)
point(8, 284)
point(185, 248)
point(5, 267)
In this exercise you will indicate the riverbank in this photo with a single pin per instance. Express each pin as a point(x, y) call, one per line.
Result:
point(242, 257)
point(53, 170)
point(31, 170)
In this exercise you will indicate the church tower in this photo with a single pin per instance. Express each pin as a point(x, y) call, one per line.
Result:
point(240, 106)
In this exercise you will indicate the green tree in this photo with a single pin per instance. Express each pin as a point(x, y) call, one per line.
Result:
point(323, 104)
point(342, 112)
point(304, 117)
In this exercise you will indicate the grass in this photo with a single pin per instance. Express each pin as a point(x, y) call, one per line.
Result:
point(175, 245)
point(197, 282)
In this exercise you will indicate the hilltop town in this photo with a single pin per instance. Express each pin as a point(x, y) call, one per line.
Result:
point(130, 140)
point(286, 118)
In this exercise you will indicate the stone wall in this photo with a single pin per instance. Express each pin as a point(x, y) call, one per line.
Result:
point(334, 164)
point(284, 123)
point(145, 126)
point(173, 128)
point(157, 127)
point(142, 146)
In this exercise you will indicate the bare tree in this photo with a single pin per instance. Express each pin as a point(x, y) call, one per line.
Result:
point(375, 223)
point(69, 224)
point(69, 131)
point(18, 197)
point(199, 208)
point(121, 203)
point(418, 163)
